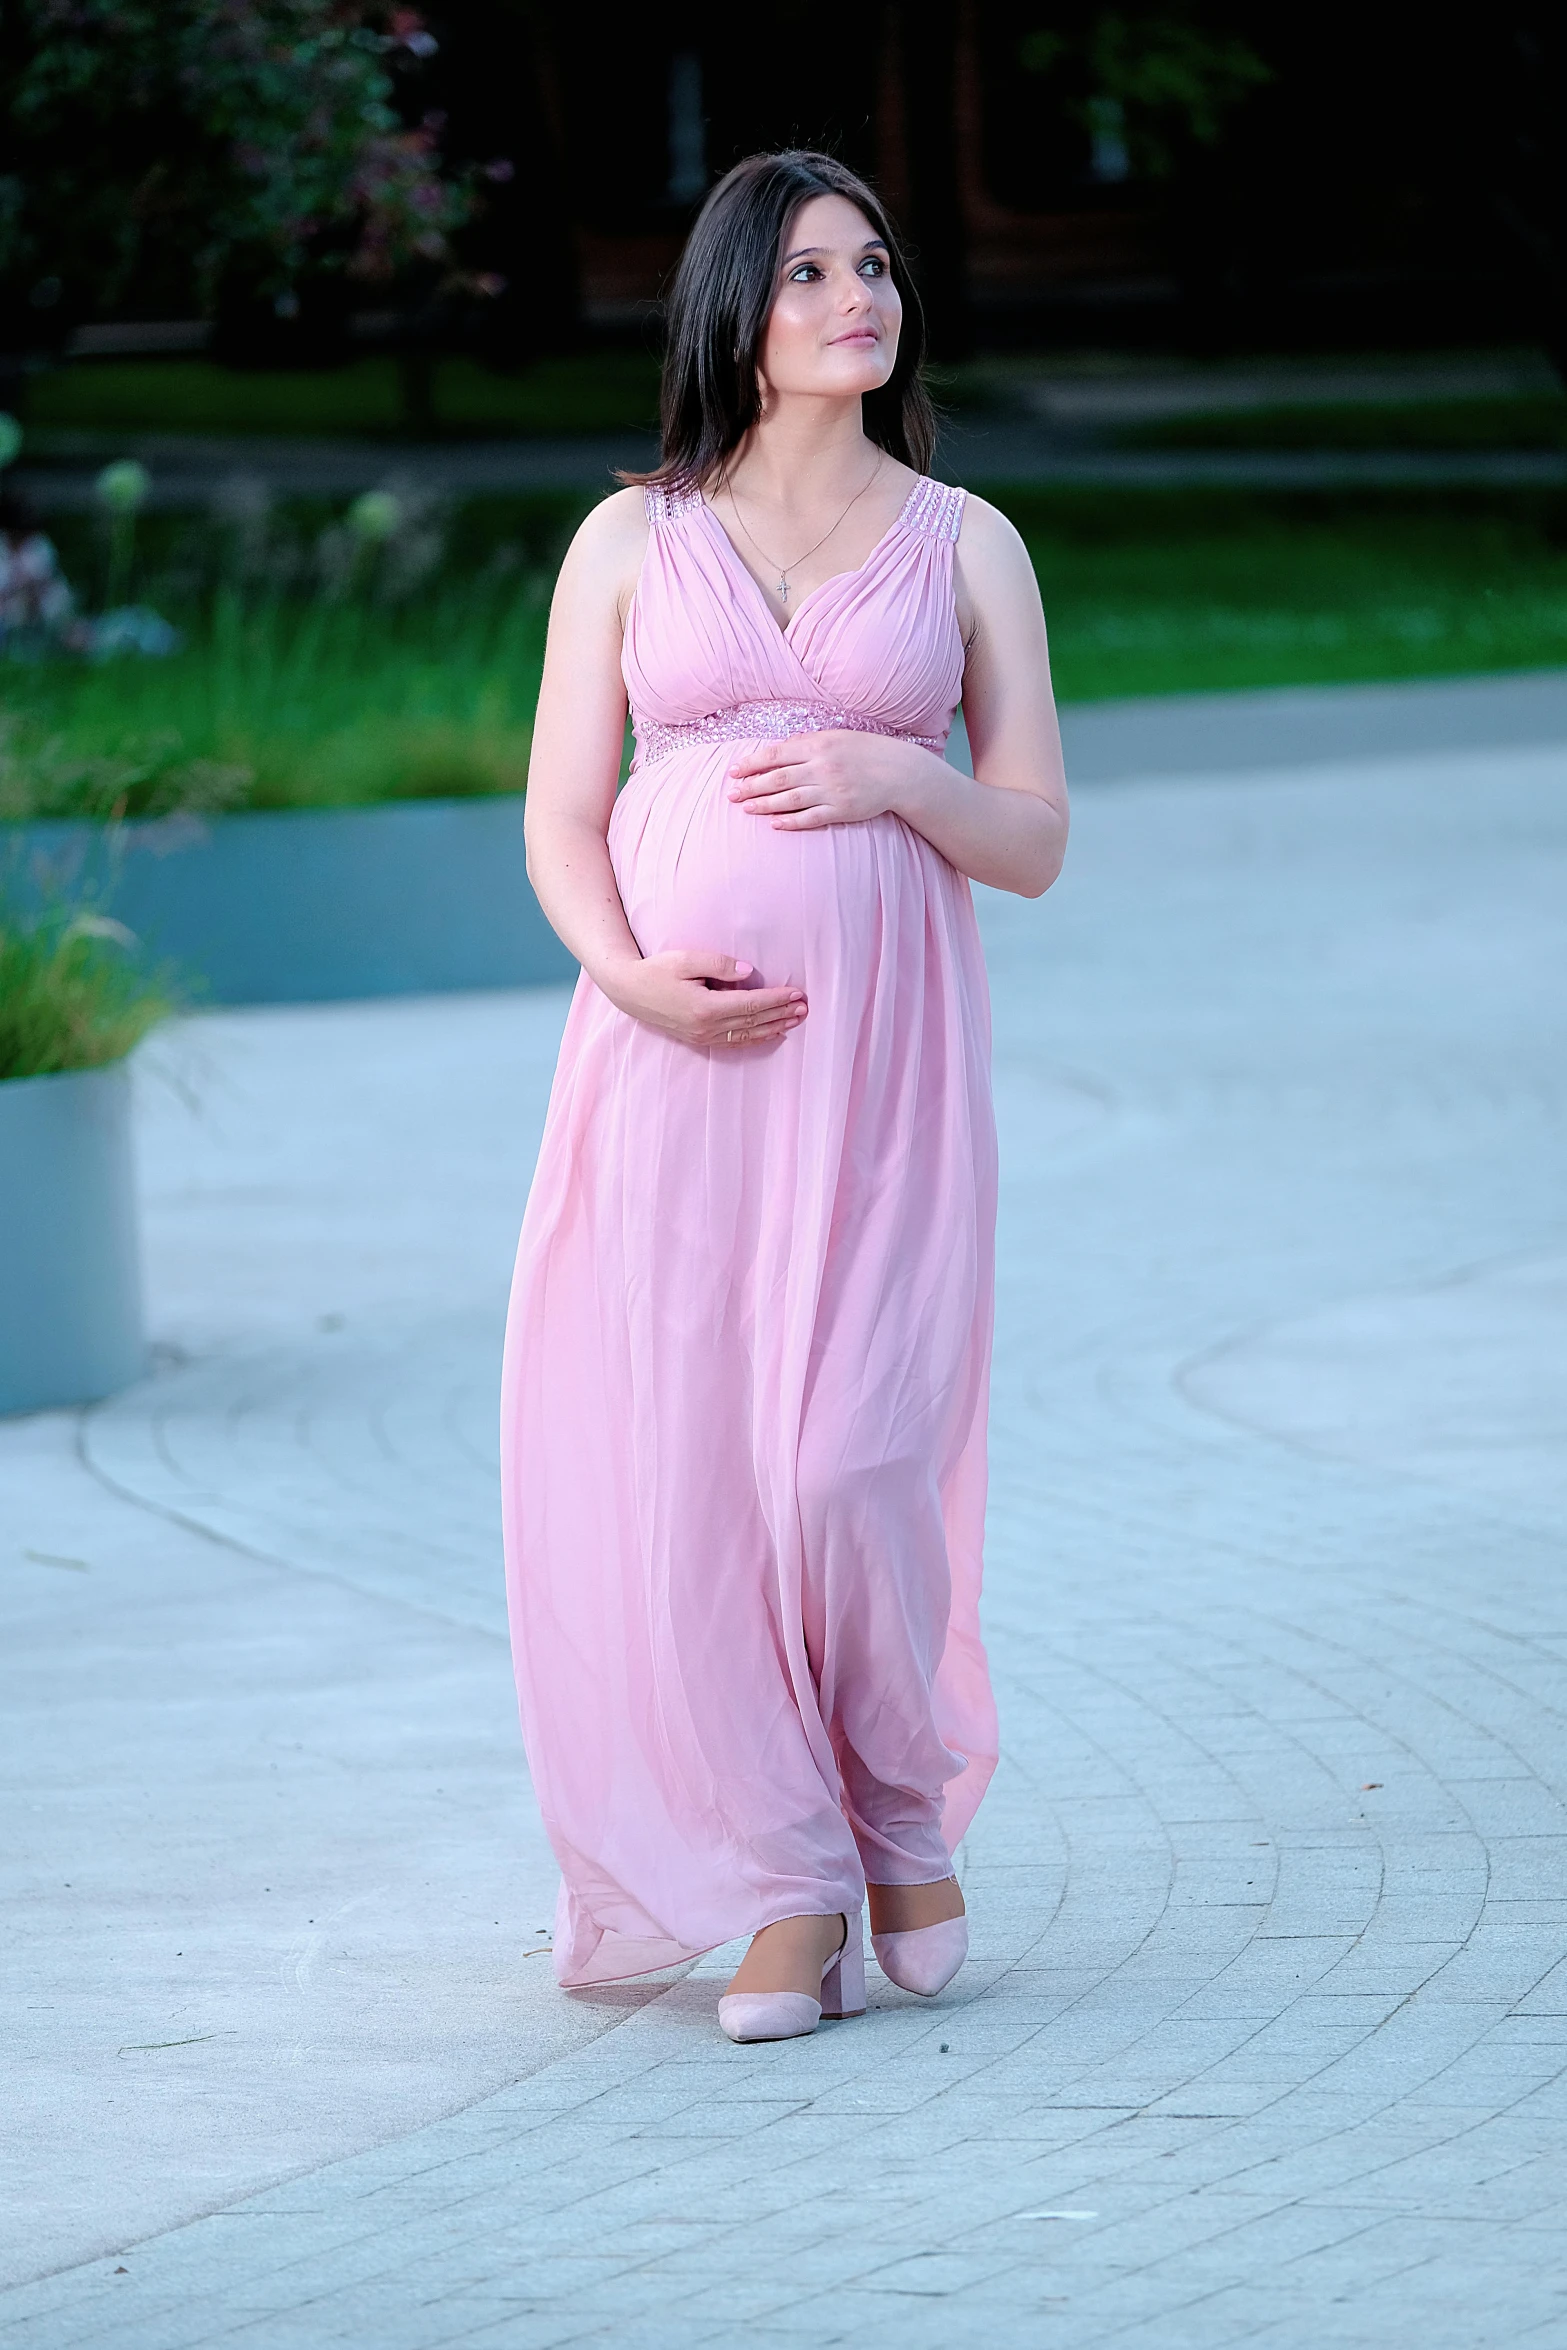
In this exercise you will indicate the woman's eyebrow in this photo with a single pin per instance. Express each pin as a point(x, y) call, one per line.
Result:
point(871, 245)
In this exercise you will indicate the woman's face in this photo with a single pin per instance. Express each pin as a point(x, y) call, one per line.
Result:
point(833, 328)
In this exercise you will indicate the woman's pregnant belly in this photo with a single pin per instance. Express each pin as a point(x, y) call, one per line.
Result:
point(808, 909)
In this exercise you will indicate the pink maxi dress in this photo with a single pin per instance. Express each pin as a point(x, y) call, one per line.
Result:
point(747, 1359)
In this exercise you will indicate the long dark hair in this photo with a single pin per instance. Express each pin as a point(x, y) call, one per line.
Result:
point(718, 311)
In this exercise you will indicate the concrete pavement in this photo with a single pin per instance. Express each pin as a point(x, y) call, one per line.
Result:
point(1265, 2037)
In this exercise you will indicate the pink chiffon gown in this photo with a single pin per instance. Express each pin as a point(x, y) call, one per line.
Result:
point(747, 1359)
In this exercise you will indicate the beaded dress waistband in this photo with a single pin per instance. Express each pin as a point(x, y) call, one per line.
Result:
point(763, 722)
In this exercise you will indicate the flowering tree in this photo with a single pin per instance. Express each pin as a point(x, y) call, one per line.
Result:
point(153, 149)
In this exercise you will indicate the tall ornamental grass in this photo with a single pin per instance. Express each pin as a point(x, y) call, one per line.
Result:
point(72, 995)
point(322, 663)
point(275, 702)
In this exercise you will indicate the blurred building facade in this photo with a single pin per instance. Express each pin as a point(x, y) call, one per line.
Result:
point(1200, 173)
point(1269, 173)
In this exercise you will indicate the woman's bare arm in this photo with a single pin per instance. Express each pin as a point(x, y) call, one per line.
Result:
point(572, 776)
point(577, 734)
point(1007, 826)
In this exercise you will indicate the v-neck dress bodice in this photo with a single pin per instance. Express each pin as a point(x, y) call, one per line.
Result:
point(877, 647)
point(743, 1417)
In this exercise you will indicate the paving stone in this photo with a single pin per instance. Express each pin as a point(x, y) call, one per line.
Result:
point(1270, 1895)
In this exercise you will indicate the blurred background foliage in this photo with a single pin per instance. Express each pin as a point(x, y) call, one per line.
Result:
point(211, 154)
point(319, 665)
point(314, 672)
point(506, 175)
point(1145, 87)
point(605, 391)
point(1211, 227)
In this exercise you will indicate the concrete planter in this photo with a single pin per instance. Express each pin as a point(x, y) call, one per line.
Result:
point(308, 906)
point(70, 1281)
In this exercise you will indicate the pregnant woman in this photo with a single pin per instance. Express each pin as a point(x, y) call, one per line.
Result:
point(746, 1368)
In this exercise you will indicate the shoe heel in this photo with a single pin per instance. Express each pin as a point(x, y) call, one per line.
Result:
point(843, 1985)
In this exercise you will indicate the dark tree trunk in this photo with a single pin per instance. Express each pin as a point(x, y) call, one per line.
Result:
point(497, 81)
point(928, 40)
point(1529, 167)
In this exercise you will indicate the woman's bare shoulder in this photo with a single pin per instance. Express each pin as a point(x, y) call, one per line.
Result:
point(986, 532)
point(992, 558)
point(605, 556)
point(616, 528)
point(996, 583)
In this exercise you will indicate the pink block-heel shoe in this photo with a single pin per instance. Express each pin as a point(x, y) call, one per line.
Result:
point(925, 1959)
point(789, 2015)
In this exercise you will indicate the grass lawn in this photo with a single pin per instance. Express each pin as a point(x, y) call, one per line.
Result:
point(605, 391)
point(311, 676)
point(1201, 591)
point(1534, 422)
point(617, 391)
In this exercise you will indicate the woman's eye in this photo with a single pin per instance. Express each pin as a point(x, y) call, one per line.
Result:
point(873, 265)
point(803, 275)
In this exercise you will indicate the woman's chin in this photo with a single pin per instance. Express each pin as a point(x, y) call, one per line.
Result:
point(848, 378)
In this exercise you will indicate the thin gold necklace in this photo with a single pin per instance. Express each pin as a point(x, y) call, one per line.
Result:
point(783, 569)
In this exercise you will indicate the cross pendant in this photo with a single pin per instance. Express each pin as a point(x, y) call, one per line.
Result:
point(783, 589)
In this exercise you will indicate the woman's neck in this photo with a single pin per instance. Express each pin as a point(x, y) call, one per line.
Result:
point(802, 452)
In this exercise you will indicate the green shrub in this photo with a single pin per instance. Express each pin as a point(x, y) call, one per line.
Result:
point(71, 994)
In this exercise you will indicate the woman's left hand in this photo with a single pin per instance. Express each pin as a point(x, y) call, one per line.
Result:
point(812, 780)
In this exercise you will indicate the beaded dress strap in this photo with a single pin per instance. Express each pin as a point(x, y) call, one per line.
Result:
point(935, 509)
point(666, 504)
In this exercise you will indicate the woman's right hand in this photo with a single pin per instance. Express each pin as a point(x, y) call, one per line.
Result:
point(702, 1000)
